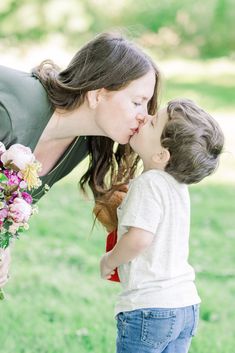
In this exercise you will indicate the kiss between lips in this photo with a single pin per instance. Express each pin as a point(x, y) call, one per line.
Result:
point(135, 131)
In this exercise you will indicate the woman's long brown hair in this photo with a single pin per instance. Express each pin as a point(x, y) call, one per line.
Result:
point(108, 61)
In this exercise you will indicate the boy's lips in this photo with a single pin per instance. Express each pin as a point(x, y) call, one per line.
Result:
point(135, 131)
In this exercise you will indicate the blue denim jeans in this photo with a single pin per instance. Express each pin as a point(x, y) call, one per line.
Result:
point(156, 330)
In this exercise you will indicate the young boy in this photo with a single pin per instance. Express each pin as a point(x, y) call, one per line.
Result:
point(158, 309)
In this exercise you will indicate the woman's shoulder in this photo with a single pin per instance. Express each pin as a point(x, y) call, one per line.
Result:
point(24, 104)
point(18, 86)
point(13, 80)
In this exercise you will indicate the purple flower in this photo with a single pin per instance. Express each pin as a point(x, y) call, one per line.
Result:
point(13, 196)
point(3, 214)
point(13, 180)
point(27, 197)
point(7, 172)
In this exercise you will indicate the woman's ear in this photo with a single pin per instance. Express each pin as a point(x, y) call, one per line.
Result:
point(161, 157)
point(93, 98)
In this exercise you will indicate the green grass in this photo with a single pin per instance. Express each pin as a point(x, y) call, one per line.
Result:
point(57, 303)
point(213, 93)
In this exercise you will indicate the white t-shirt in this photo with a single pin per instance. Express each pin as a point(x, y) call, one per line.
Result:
point(161, 276)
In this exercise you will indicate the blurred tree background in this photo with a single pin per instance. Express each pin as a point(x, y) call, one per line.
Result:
point(173, 27)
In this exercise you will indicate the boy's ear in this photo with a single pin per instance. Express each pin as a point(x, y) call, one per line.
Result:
point(161, 157)
point(93, 97)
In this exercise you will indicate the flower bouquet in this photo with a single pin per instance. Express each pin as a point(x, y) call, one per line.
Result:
point(18, 176)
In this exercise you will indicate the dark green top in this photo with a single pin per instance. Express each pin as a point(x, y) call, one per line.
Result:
point(24, 113)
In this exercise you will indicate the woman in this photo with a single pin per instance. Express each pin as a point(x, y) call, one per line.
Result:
point(103, 96)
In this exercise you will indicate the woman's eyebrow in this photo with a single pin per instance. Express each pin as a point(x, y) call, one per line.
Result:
point(143, 97)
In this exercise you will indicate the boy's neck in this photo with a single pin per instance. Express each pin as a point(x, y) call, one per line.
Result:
point(151, 166)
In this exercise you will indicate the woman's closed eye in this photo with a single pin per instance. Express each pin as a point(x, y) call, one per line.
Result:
point(137, 104)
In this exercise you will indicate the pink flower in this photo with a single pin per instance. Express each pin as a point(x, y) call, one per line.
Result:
point(23, 184)
point(3, 214)
point(7, 173)
point(27, 197)
point(20, 210)
point(18, 155)
point(13, 180)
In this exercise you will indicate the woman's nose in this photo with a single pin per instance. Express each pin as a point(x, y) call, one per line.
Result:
point(143, 119)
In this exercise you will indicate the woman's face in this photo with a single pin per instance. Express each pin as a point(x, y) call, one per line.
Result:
point(120, 113)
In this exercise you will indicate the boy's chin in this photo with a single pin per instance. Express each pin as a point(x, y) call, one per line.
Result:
point(131, 143)
point(133, 146)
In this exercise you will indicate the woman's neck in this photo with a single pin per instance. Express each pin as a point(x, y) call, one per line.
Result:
point(69, 124)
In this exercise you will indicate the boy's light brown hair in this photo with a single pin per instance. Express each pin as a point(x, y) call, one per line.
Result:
point(194, 140)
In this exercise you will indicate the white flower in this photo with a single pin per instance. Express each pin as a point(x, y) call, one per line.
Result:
point(13, 228)
point(20, 210)
point(18, 155)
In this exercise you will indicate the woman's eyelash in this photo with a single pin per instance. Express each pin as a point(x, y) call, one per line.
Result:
point(137, 104)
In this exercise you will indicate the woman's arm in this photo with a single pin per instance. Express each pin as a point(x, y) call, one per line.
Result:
point(5, 126)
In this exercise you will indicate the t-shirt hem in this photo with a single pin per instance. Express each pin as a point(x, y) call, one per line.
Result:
point(162, 305)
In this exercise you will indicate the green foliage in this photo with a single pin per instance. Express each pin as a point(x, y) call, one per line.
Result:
point(216, 94)
point(182, 27)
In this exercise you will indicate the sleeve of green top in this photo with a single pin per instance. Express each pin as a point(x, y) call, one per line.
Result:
point(5, 126)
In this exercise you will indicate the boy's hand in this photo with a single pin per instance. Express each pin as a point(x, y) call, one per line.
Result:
point(105, 271)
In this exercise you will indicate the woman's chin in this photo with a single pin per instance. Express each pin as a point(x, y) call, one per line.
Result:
point(124, 141)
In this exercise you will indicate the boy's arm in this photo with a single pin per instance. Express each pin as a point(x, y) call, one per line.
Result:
point(131, 244)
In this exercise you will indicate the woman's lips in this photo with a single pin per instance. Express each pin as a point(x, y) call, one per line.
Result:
point(135, 131)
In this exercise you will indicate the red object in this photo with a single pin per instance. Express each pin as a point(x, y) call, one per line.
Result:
point(110, 243)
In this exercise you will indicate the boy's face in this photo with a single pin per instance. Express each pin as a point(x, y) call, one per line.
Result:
point(147, 142)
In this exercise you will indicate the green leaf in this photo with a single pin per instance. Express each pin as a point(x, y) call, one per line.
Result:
point(3, 177)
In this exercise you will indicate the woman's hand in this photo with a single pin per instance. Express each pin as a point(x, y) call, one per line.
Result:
point(5, 259)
